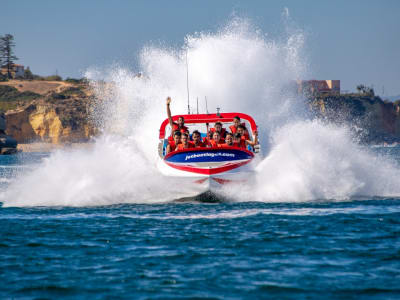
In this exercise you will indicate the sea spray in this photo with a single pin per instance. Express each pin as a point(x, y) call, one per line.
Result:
point(113, 171)
point(311, 160)
point(237, 69)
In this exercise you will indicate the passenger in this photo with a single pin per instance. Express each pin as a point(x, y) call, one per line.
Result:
point(218, 128)
point(184, 142)
point(181, 121)
point(197, 143)
point(208, 138)
point(216, 141)
point(236, 124)
point(239, 141)
point(243, 132)
point(172, 145)
point(228, 140)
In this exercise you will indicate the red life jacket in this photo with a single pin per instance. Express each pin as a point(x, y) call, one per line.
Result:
point(206, 141)
point(226, 145)
point(234, 130)
point(172, 145)
point(175, 127)
point(222, 133)
point(214, 144)
point(242, 144)
point(182, 146)
point(200, 145)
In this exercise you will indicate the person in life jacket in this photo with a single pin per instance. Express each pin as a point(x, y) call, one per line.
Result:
point(172, 145)
point(239, 141)
point(242, 130)
point(181, 121)
point(216, 140)
point(184, 142)
point(197, 143)
point(236, 124)
point(218, 128)
point(208, 138)
point(228, 140)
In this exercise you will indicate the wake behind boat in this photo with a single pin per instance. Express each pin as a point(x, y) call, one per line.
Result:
point(210, 165)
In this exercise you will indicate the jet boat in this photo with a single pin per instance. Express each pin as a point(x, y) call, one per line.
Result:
point(207, 169)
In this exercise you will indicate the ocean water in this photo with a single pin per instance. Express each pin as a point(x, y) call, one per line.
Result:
point(231, 250)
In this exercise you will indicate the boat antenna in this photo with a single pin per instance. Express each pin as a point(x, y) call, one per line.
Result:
point(197, 105)
point(206, 105)
point(187, 80)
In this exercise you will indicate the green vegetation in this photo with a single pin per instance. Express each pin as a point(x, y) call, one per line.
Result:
point(77, 81)
point(73, 91)
point(66, 94)
point(28, 74)
point(10, 97)
point(365, 90)
point(3, 77)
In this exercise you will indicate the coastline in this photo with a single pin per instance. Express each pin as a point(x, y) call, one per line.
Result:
point(49, 147)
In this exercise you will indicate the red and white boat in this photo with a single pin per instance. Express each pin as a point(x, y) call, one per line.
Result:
point(207, 169)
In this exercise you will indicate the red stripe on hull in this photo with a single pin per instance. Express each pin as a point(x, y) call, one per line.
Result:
point(200, 181)
point(221, 181)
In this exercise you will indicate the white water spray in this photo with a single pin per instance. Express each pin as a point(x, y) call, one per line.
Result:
point(237, 69)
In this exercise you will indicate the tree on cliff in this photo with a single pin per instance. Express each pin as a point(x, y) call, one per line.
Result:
point(7, 52)
point(362, 89)
point(28, 74)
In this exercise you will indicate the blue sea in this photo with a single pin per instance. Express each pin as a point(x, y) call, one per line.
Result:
point(230, 250)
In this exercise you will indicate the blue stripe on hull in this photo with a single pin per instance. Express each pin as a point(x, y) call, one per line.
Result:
point(212, 155)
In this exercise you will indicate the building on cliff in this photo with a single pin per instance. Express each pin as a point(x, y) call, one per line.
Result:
point(312, 87)
point(16, 71)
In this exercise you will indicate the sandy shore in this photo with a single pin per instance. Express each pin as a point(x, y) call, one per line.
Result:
point(48, 147)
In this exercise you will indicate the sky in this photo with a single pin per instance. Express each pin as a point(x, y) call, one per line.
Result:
point(355, 41)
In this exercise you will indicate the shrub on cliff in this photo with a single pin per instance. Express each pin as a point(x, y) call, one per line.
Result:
point(54, 97)
point(28, 74)
point(76, 81)
point(10, 97)
point(9, 93)
point(66, 94)
point(73, 91)
point(3, 77)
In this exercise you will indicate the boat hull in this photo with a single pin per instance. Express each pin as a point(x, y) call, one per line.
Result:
point(208, 170)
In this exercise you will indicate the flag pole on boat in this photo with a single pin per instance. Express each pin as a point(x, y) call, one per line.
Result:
point(187, 80)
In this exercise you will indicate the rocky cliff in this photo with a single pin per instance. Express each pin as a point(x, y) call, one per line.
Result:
point(56, 113)
point(374, 120)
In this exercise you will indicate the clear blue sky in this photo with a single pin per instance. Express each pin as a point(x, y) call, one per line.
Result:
point(354, 41)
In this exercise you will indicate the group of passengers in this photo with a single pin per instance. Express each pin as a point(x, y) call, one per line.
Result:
point(216, 137)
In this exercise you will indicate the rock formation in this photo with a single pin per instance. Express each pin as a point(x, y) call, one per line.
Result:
point(56, 116)
point(374, 120)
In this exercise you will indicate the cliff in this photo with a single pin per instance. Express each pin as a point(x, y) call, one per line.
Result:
point(55, 112)
point(374, 120)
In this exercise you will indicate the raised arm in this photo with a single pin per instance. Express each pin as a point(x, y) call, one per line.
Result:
point(255, 142)
point(169, 112)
